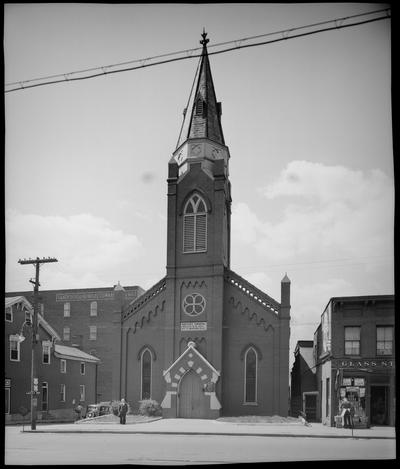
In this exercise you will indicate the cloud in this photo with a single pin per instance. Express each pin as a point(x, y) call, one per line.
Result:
point(89, 250)
point(328, 209)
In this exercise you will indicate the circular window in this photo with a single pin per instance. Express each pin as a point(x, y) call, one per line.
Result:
point(194, 304)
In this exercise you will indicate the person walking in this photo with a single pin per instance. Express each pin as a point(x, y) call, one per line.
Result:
point(122, 411)
point(78, 410)
point(346, 408)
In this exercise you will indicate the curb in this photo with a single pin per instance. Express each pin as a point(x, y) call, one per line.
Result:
point(275, 435)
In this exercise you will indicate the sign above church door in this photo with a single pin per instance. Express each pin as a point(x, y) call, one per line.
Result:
point(194, 326)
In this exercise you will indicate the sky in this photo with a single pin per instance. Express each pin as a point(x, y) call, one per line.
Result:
point(307, 122)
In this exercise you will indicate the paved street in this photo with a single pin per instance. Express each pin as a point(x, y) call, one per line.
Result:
point(113, 448)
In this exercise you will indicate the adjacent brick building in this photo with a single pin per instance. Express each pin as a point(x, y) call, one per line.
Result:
point(83, 318)
point(354, 356)
point(303, 383)
point(66, 375)
point(203, 341)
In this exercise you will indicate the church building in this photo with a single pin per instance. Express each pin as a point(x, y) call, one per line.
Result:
point(203, 341)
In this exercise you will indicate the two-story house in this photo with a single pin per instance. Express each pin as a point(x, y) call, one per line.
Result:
point(65, 375)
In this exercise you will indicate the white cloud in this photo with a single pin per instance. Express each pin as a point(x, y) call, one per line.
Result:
point(329, 209)
point(90, 252)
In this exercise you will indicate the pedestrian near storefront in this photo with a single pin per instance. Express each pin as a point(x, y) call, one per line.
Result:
point(347, 413)
point(122, 411)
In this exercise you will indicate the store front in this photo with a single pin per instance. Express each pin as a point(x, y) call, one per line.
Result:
point(370, 386)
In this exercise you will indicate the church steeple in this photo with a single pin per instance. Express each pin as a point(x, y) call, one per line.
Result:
point(201, 137)
point(202, 117)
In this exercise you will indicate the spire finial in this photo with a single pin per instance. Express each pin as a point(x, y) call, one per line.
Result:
point(204, 41)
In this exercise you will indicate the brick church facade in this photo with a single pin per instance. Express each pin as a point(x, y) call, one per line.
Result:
point(203, 341)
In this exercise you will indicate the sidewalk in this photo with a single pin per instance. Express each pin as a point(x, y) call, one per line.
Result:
point(215, 427)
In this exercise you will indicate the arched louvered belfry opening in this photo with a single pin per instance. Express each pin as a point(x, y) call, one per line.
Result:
point(195, 225)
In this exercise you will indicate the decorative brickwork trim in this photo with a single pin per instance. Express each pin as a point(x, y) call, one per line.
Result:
point(137, 304)
point(252, 292)
point(251, 315)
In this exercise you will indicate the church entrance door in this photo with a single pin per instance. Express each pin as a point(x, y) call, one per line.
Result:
point(193, 404)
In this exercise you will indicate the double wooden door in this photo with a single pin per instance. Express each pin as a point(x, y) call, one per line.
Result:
point(192, 401)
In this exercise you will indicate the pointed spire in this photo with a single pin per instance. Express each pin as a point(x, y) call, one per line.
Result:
point(202, 117)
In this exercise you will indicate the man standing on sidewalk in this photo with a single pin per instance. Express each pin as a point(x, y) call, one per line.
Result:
point(122, 411)
point(346, 408)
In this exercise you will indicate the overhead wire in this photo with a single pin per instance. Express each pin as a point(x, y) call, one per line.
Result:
point(286, 35)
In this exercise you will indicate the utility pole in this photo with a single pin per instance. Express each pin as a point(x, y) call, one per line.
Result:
point(34, 379)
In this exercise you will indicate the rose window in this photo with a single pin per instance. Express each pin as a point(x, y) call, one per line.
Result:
point(194, 304)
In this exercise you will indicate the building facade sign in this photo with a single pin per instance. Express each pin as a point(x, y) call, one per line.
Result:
point(326, 329)
point(85, 296)
point(363, 364)
point(193, 326)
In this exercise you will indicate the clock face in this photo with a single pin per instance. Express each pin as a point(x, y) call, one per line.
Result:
point(194, 304)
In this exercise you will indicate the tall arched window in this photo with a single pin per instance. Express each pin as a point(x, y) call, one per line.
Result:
point(250, 376)
point(195, 225)
point(146, 364)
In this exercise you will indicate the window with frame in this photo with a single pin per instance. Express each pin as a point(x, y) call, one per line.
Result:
point(62, 392)
point(92, 332)
point(41, 309)
point(63, 365)
point(66, 333)
point(82, 392)
point(45, 396)
point(83, 368)
point(384, 340)
point(15, 352)
point(195, 225)
point(352, 340)
point(45, 353)
point(93, 308)
point(67, 310)
point(146, 365)
point(250, 375)
point(9, 314)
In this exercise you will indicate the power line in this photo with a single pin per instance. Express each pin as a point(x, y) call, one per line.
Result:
point(190, 53)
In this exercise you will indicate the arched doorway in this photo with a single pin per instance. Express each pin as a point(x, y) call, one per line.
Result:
point(193, 404)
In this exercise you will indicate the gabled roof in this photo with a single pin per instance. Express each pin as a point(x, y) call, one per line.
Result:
point(202, 117)
point(13, 300)
point(73, 353)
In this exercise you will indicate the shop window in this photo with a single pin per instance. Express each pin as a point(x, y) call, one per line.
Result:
point(67, 310)
point(92, 332)
point(45, 396)
point(62, 392)
point(82, 393)
point(250, 373)
point(7, 400)
point(66, 333)
point(195, 225)
point(384, 340)
point(352, 340)
point(46, 353)
point(15, 353)
point(93, 308)
point(146, 365)
point(9, 314)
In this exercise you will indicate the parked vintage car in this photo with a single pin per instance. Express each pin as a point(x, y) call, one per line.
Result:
point(95, 410)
